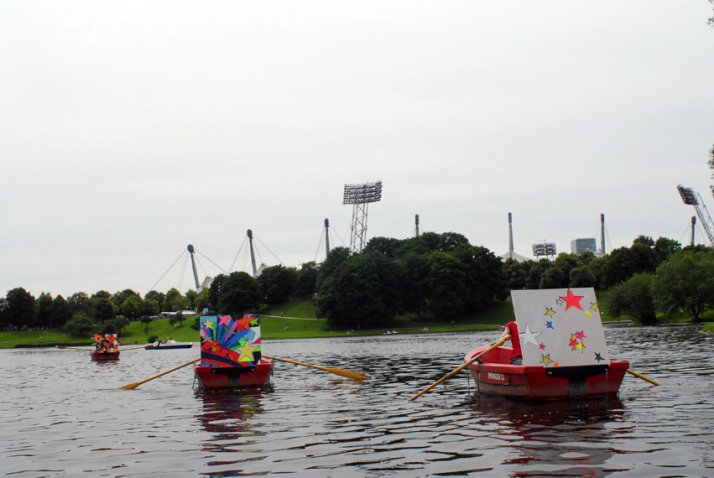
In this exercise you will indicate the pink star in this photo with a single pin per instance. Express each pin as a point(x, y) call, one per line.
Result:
point(581, 335)
point(224, 320)
point(542, 346)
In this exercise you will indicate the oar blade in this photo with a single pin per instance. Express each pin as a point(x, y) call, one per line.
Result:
point(130, 386)
point(349, 374)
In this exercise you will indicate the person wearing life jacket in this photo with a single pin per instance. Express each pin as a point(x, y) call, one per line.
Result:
point(510, 332)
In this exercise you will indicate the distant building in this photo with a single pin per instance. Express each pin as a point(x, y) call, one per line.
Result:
point(578, 246)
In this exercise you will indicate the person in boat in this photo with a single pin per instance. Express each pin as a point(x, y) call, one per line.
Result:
point(510, 332)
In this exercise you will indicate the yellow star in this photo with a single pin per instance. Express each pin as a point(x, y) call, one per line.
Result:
point(210, 324)
point(246, 353)
point(593, 305)
point(587, 312)
point(546, 360)
point(549, 311)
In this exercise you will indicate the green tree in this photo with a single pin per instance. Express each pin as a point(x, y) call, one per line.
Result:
point(214, 292)
point(634, 298)
point(485, 280)
point(367, 290)
point(80, 325)
point(306, 283)
point(60, 312)
point(666, 247)
point(516, 273)
point(191, 296)
point(101, 294)
point(120, 297)
point(414, 283)
point(685, 281)
point(277, 284)
point(20, 309)
point(131, 307)
point(103, 309)
point(4, 319)
point(536, 272)
point(582, 276)
point(43, 304)
point(553, 278)
point(202, 300)
point(174, 300)
point(158, 297)
point(447, 292)
point(146, 320)
point(149, 307)
point(239, 294)
point(119, 323)
point(79, 302)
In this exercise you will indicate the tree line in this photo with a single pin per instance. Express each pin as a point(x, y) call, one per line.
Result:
point(439, 277)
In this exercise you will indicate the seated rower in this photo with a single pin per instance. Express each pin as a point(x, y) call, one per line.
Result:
point(510, 332)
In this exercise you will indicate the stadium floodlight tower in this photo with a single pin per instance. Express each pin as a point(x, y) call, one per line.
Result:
point(546, 249)
point(360, 195)
point(694, 199)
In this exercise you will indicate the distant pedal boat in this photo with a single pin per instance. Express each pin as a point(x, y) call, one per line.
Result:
point(496, 376)
point(170, 346)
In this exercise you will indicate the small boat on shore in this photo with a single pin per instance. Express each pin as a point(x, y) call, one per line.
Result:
point(496, 376)
point(98, 355)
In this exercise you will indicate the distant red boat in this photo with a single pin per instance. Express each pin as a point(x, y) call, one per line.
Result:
point(496, 376)
point(254, 376)
point(98, 356)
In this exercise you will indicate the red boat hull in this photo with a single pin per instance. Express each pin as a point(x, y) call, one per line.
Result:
point(234, 377)
point(495, 376)
point(97, 356)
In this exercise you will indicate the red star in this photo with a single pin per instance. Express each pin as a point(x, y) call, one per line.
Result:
point(243, 324)
point(572, 300)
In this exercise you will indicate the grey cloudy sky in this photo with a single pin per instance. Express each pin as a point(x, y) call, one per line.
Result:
point(131, 129)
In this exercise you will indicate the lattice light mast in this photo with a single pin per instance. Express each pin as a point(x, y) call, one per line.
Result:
point(360, 195)
point(694, 199)
point(327, 237)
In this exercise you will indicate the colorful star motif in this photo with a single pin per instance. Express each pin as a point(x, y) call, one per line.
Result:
point(244, 323)
point(549, 324)
point(529, 336)
point(211, 325)
point(572, 300)
point(542, 346)
point(546, 360)
point(246, 353)
point(576, 341)
point(587, 312)
point(598, 357)
point(224, 320)
point(549, 311)
point(593, 305)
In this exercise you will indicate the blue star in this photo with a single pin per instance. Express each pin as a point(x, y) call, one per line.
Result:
point(598, 357)
point(550, 325)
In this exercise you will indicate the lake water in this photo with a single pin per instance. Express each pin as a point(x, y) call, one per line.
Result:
point(62, 415)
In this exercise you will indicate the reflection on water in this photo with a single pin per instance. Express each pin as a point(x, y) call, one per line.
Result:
point(62, 415)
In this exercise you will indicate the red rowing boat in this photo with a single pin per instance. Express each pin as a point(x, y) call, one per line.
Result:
point(97, 355)
point(496, 376)
point(254, 376)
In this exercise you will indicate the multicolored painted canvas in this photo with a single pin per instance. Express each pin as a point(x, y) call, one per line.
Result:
point(105, 343)
point(230, 343)
point(560, 327)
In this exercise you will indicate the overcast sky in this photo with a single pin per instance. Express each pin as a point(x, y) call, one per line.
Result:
point(130, 129)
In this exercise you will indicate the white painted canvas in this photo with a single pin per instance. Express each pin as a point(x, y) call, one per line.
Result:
point(560, 327)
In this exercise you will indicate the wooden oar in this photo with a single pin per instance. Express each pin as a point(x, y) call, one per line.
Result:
point(136, 348)
point(642, 377)
point(132, 386)
point(492, 347)
point(336, 371)
point(73, 348)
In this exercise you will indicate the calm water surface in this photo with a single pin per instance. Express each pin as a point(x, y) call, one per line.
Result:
point(62, 415)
